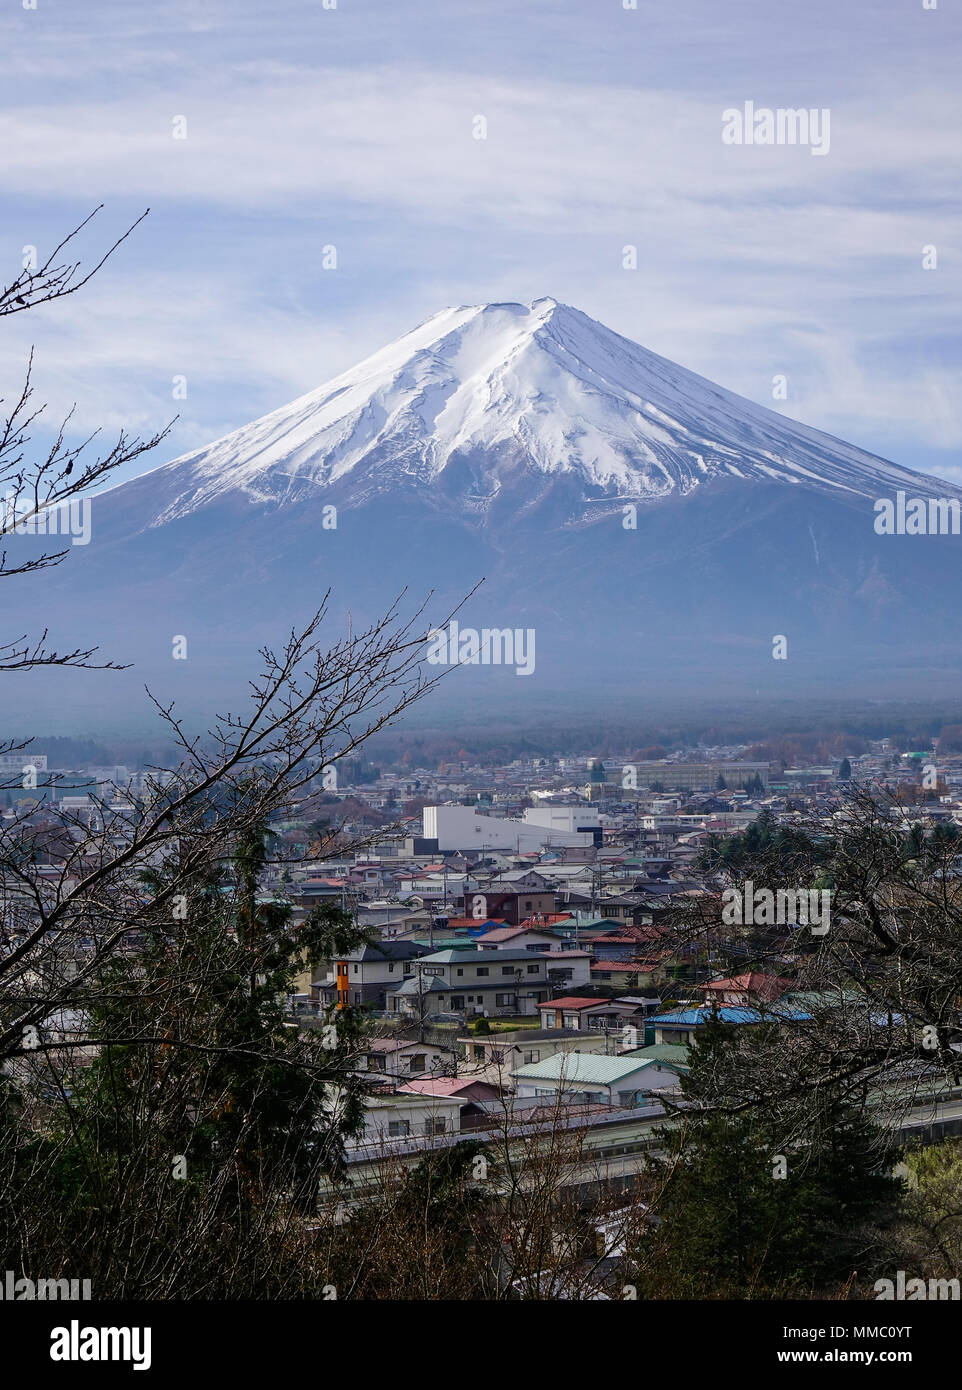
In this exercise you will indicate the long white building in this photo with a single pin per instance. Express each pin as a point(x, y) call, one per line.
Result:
point(461, 827)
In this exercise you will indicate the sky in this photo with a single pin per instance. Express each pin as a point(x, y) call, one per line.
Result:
point(353, 124)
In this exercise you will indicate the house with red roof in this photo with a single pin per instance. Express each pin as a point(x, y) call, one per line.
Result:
point(466, 1088)
point(460, 925)
point(753, 987)
point(520, 938)
point(626, 941)
point(569, 1011)
point(630, 974)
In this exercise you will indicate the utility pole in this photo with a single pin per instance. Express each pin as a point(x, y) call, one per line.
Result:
point(420, 1002)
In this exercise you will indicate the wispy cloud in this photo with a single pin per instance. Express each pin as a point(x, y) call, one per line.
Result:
point(306, 130)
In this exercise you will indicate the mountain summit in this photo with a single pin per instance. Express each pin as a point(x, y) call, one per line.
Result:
point(481, 391)
point(654, 531)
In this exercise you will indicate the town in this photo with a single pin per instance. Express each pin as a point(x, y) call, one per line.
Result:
point(519, 957)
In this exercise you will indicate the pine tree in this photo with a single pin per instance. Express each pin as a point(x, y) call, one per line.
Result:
point(747, 1210)
point(206, 1122)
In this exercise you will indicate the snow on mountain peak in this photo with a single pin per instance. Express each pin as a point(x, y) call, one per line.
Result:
point(541, 383)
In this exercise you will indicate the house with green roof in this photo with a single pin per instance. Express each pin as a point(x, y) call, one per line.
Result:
point(671, 1055)
point(624, 1081)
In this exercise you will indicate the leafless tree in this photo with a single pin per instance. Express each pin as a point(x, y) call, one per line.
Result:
point(881, 988)
point(132, 940)
point(35, 485)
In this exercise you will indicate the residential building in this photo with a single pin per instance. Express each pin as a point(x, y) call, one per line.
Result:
point(629, 974)
point(495, 1056)
point(401, 1057)
point(487, 982)
point(395, 1116)
point(590, 1078)
point(753, 987)
point(367, 974)
point(681, 1025)
point(570, 1011)
point(512, 906)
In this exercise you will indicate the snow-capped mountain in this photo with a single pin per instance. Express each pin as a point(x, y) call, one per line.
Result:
point(654, 530)
point(542, 383)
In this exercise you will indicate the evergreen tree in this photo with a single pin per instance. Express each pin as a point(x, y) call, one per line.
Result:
point(763, 1202)
point(204, 1125)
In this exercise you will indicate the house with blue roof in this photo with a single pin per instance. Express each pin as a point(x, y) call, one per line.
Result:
point(680, 1026)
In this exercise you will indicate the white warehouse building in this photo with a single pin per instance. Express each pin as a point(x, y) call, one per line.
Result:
point(461, 827)
point(568, 820)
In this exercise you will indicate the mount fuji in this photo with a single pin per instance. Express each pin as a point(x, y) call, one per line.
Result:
point(654, 530)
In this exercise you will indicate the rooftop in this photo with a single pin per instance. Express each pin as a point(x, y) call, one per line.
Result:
point(585, 1067)
point(667, 1054)
point(572, 1001)
point(468, 1086)
point(734, 1014)
point(751, 982)
point(501, 957)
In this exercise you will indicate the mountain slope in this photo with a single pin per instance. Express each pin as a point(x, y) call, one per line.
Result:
point(541, 380)
point(655, 530)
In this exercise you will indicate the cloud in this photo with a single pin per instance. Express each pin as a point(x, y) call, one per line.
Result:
point(751, 261)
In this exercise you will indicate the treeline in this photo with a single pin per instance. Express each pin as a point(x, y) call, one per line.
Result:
point(778, 739)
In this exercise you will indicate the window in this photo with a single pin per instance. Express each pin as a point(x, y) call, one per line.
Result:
point(483, 970)
point(533, 969)
point(398, 1129)
point(528, 904)
point(460, 971)
point(531, 1056)
point(457, 1002)
point(391, 968)
point(507, 970)
point(375, 1063)
point(435, 1124)
point(356, 969)
point(357, 996)
point(504, 1001)
point(432, 970)
point(418, 1062)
